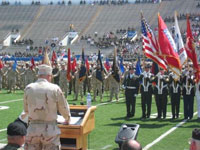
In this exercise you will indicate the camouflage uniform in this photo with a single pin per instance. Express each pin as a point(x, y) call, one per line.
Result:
point(29, 76)
point(97, 85)
point(42, 101)
point(78, 85)
point(63, 80)
point(12, 147)
point(114, 87)
point(21, 77)
point(12, 78)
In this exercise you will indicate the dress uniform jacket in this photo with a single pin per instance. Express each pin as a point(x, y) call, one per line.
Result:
point(188, 96)
point(175, 94)
point(146, 93)
point(161, 92)
point(131, 84)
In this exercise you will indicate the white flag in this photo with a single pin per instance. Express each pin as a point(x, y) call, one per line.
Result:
point(179, 43)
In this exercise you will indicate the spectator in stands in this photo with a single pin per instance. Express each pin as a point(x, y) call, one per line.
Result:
point(16, 132)
point(195, 140)
point(131, 145)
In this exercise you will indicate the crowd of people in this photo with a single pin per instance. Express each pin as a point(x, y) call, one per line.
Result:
point(183, 16)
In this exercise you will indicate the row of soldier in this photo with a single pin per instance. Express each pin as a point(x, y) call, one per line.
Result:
point(161, 85)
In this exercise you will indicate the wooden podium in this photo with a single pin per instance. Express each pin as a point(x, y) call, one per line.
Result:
point(74, 137)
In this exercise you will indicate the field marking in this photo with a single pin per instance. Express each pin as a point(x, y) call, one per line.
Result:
point(2, 140)
point(4, 107)
point(10, 101)
point(165, 134)
point(107, 146)
point(2, 130)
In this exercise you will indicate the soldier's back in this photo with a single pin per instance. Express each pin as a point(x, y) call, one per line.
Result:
point(12, 147)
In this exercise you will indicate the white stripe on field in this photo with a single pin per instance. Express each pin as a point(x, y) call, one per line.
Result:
point(106, 147)
point(1, 130)
point(10, 101)
point(2, 140)
point(165, 134)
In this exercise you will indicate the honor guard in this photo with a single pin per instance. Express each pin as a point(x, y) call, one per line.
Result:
point(188, 94)
point(161, 92)
point(146, 92)
point(131, 85)
point(175, 94)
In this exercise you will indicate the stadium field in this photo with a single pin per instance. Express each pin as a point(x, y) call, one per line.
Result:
point(109, 116)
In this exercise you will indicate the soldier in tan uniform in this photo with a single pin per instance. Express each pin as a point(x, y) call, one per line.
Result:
point(97, 82)
point(29, 75)
point(63, 78)
point(42, 101)
point(12, 78)
point(78, 84)
point(114, 84)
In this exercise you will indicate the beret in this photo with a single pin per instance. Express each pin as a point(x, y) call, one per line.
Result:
point(16, 129)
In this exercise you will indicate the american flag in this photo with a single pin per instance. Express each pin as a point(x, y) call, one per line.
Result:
point(150, 44)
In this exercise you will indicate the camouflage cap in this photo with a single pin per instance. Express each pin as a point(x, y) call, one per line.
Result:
point(44, 69)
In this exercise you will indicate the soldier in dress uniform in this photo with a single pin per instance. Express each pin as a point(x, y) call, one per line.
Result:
point(42, 101)
point(161, 92)
point(16, 133)
point(175, 93)
point(188, 94)
point(146, 92)
point(131, 85)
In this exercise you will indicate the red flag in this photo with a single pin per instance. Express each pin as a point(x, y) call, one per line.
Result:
point(69, 65)
point(1, 64)
point(54, 57)
point(87, 64)
point(190, 49)
point(74, 65)
point(168, 47)
point(32, 63)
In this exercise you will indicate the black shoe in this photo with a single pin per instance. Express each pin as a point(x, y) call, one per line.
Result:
point(158, 117)
point(128, 116)
point(198, 119)
point(185, 117)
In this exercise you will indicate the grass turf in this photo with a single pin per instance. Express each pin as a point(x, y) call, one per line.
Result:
point(109, 118)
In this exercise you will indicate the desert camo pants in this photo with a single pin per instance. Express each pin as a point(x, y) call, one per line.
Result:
point(42, 143)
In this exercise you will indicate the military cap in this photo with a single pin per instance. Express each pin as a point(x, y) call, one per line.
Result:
point(196, 134)
point(44, 69)
point(16, 129)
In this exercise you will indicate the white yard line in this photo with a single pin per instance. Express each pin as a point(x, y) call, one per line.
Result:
point(10, 101)
point(106, 147)
point(165, 134)
point(2, 130)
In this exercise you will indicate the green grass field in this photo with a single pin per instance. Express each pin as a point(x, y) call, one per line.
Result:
point(108, 119)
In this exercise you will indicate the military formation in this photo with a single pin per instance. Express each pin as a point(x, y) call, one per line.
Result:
point(162, 86)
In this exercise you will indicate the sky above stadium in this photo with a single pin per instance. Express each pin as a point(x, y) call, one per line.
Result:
point(27, 2)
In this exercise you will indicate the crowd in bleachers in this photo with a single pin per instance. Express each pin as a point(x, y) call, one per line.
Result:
point(23, 42)
point(192, 16)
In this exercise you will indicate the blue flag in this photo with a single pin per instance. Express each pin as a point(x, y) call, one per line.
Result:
point(138, 68)
point(121, 66)
point(14, 67)
point(82, 73)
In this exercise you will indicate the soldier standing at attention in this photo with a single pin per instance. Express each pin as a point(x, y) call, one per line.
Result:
point(146, 92)
point(131, 85)
point(175, 90)
point(188, 94)
point(42, 101)
point(63, 78)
